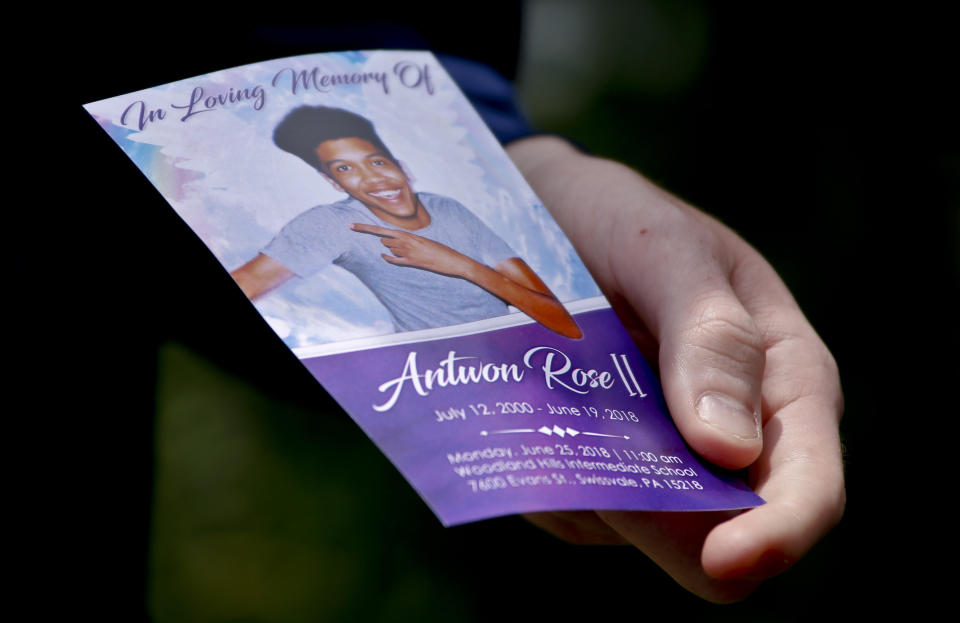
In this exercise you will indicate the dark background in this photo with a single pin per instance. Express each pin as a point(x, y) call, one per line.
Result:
point(199, 470)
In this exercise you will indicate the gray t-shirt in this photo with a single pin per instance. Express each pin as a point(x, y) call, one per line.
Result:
point(416, 298)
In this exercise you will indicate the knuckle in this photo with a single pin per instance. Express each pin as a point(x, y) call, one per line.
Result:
point(724, 332)
point(827, 509)
point(830, 375)
point(835, 506)
point(804, 369)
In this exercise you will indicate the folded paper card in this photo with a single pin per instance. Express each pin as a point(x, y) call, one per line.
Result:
point(382, 232)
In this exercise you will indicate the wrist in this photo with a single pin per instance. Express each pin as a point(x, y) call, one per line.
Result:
point(536, 153)
point(466, 268)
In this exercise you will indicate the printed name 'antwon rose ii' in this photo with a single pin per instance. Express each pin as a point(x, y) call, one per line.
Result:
point(558, 371)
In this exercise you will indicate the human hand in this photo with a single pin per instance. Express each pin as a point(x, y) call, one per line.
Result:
point(412, 250)
point(747, 380)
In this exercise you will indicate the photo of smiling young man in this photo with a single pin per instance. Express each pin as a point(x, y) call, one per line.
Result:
point(428, 259)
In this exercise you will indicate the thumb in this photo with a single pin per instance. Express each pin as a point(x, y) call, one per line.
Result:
point(711, 351)
point(711, 362)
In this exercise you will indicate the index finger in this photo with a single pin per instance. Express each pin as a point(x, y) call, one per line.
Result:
point(800, 471)
point(801, 478)
point(376, 230)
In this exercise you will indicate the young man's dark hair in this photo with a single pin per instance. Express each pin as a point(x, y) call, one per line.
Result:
point(306, 127)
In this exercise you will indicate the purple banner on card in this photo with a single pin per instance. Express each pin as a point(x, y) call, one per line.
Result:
point(523, 420)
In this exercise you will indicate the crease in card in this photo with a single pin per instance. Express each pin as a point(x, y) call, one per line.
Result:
point(381, 231)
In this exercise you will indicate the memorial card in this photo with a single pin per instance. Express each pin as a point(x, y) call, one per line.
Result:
point(381, 231)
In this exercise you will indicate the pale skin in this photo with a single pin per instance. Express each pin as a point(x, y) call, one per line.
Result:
point(358, 168)
point(748, 381)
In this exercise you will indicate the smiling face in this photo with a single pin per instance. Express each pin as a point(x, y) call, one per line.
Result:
point(367, 174)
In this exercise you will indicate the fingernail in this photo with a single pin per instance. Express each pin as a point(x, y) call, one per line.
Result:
point(729, 415)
